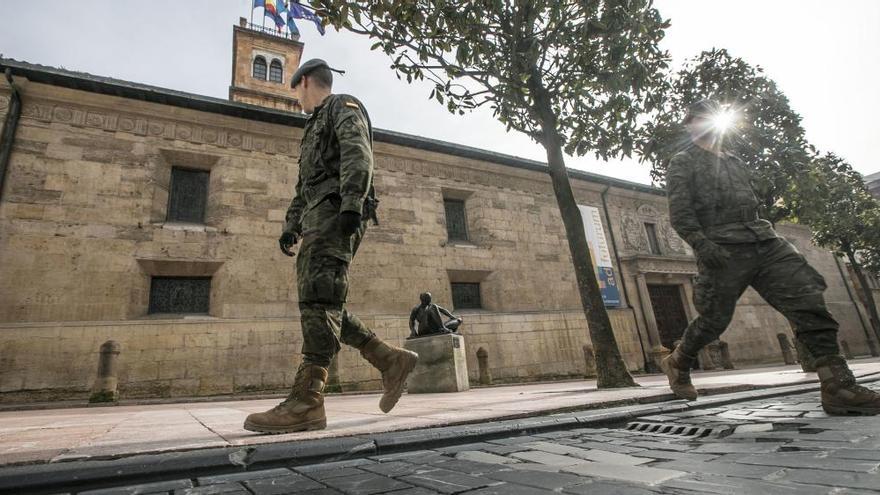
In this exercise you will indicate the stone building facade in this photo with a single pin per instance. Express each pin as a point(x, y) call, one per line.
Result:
point(93, 247)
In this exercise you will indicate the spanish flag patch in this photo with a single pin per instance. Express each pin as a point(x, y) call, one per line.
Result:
point(351, 104)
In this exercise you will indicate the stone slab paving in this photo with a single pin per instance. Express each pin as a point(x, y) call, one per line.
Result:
point(54, 435)
point(802, 451)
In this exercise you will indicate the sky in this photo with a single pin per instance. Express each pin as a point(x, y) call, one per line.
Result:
point(824, 55)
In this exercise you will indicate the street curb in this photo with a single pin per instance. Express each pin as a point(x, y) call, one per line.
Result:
point(138, 468)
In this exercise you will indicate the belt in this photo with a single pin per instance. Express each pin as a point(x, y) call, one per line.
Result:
point(743, 214)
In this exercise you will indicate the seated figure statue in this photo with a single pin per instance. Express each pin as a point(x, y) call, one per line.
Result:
point(426, 319)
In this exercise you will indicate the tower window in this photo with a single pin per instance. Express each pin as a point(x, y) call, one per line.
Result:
point(260, 68)
point(189, 194)
point(276, 73)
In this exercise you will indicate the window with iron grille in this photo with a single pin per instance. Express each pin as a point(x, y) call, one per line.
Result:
point(653, 242)
point(466, 296)
point(260, 68)
point(188, 195)
point(275, 71)
point(456, 221)
point(180, 295)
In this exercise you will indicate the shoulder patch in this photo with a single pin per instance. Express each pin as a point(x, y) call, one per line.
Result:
point(351, 104)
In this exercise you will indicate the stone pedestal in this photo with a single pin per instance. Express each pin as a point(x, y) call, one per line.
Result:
point(442, 365)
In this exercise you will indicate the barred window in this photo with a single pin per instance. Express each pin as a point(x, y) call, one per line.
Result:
point(188, 195)
point(466, 296)
point(180, 295)
point(653, 242)
point(456, 221)
point(276, 73)
point(260, 68)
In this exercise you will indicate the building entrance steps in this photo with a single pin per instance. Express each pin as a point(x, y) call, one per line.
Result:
point(89, 433)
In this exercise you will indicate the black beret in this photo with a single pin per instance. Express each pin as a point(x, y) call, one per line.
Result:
point(308, 67)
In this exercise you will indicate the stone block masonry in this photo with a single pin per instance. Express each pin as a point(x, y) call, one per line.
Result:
point(84, 228)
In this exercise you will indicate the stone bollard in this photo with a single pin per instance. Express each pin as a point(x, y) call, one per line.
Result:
point(706, 357)
point(105, 387)
point(844, 347)
point(785, 346)
point(589, 362)
point(724, 351)
point(483, 366)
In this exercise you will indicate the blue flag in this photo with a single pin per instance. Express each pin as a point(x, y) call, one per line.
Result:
point(297, 11)
point(260, 3)
point(280, 16)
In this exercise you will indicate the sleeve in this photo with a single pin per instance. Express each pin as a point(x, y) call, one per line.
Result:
point(293, 218)
point(355, 155)
point(680, 198)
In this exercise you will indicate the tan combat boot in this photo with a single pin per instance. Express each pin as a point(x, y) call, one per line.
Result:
point(677, 367)
point(394, 363)
point(302, 410)
point(840, 393)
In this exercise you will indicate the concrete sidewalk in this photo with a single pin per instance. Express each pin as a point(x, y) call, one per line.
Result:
point(53, 435)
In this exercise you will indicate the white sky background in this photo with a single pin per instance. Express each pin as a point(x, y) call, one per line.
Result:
point(823, 54)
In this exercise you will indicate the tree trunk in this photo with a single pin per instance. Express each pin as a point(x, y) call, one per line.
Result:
point(610, 368)
point(866, 293)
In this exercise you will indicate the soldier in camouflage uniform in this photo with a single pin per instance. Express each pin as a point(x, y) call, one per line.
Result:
point(713, 208)
point(328, 217)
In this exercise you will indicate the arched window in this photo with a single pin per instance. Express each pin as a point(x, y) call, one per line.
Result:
point(276, 73)
point(260, 68)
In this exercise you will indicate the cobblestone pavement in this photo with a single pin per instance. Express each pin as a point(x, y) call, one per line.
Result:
point(776, 446)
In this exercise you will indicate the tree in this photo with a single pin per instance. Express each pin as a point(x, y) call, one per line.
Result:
point(766, 133)
point(846, 219)
point(572, 75)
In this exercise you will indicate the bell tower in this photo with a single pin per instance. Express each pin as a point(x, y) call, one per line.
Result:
point(262, 63)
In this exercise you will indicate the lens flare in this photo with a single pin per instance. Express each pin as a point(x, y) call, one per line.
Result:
point(724, 120)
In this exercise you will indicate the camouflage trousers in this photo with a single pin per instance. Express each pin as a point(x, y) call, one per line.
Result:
point(781, 275)
point(322, 285)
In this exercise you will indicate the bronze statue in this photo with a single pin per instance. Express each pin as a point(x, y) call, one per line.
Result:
point(429, 319)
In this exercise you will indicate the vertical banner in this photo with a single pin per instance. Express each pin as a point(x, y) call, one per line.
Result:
point(600, 255)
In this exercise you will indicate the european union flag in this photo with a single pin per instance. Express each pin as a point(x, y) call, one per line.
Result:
point(297, 11)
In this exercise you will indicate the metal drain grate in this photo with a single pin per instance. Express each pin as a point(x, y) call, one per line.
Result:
point(670, 429)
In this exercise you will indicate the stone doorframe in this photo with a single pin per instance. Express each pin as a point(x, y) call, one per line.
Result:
point(659, 270)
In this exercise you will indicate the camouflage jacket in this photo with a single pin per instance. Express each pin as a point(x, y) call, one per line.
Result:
point(711, 197)
point(336, 157)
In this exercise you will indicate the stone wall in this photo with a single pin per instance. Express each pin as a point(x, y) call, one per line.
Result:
point(207, 356)
point(82, 230)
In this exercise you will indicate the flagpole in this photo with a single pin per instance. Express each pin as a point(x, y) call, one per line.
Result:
point(252, 13)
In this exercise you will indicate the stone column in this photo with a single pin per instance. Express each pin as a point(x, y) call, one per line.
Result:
point(657, 352)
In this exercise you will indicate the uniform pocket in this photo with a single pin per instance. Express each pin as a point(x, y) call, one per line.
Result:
point(329, 280)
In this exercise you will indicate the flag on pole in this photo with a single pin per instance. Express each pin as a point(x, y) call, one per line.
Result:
point(259, 3)
point(297, 11)
point(270, 8)
point(280, 16)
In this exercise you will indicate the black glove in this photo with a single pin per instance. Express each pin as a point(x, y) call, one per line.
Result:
point(712, 255)
point(349, 222)
point(287, 240)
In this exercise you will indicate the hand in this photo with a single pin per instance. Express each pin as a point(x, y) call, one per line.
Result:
point(712, 255)
point(287, 240)
point(349, 222)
